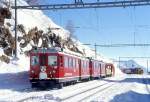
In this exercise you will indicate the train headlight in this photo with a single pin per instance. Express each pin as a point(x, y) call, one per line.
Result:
point(43, 68)
point(55, 67)
point(54, 71)
point(32, 71)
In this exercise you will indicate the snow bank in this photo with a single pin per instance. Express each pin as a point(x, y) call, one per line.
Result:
point(15, 66)
point(118, 72)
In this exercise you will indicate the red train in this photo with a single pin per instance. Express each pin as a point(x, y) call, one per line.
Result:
point(51, 67)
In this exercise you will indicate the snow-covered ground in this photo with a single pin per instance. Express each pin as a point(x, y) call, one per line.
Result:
point(15, 87)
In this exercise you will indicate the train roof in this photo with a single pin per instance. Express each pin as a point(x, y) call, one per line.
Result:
point(46, 50)
point(57, 50)
point(63, 51)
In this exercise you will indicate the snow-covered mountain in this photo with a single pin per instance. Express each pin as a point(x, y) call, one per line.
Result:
point(130, 64)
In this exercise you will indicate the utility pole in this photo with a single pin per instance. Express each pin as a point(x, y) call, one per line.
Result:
point(119, 62)
point(147, 66)
point(15, 29)
point(95, 51)
point(95, 48)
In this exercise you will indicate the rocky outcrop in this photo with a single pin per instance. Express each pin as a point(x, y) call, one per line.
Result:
point(7, 41)
point(34, 35)
point(4, 13)
point(5, 59)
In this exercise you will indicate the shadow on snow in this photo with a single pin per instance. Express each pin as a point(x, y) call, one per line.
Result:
point(15, 81)
point(131, 96)
point(130, 80)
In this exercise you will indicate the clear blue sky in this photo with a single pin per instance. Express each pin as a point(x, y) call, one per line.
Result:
point(108, 26)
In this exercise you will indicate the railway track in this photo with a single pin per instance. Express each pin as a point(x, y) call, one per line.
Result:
point(87, 93)
point(30, 93)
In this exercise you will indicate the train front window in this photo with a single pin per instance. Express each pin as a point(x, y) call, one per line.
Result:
point(52, 60)
point(34, 60)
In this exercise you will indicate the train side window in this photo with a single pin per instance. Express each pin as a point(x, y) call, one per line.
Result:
point(82, 64)
point(66, 61)
point(70, 63)
point(34, 60)
point(77, 64)
point(85, 65)
point(52, 60)
point(94, 65)
point(97, 66)
point(74, 63)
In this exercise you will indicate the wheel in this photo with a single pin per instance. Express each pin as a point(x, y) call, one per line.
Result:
point(74, 82)
point(60, 85)
point(34, 85)
point(42, 85)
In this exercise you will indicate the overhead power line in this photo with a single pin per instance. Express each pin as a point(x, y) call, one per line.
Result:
point(123, 45)
point(81, 5)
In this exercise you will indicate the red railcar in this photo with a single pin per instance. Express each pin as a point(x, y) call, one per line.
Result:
point(51, 67)
point(95, 71)
point(110, 70)
point(84, 69)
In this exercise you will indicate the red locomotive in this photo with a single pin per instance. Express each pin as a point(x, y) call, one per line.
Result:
point(51, 67)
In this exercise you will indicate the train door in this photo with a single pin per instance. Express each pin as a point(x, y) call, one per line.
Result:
point(43, 66)
point(100, 65)
point(61, 66)
point(90, 68)
point(80, 75)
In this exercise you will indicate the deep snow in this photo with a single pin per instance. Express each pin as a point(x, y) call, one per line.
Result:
point(15, 87)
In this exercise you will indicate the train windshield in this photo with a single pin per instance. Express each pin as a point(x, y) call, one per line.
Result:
point(34, 60)
point(52, 60)
point(43, 60)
